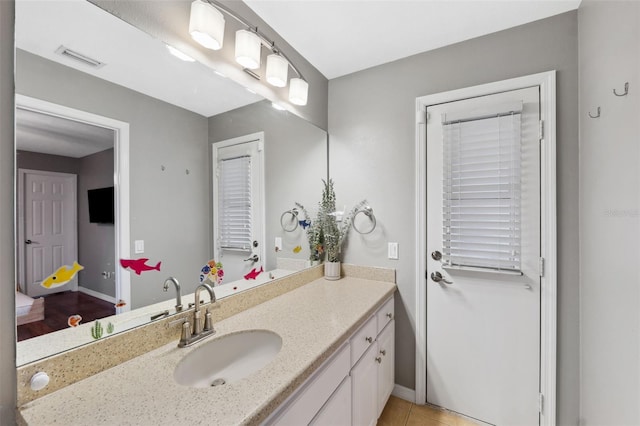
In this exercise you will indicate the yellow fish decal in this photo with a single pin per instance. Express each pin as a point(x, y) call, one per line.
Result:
point(297, 249)
point(63, 275)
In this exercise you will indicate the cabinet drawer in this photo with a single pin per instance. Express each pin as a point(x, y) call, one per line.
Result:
point(385, 314)
point(337, 411)
point(362, 339)
point(315, 391)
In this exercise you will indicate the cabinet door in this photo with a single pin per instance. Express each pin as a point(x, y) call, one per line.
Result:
point(337, 411)
point(364, 378)
point(386, 367)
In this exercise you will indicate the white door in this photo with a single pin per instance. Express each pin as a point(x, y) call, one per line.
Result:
point(47, 218)
point(483, 218)
point(238, 205)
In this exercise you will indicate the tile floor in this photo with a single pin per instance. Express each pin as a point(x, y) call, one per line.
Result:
point(399, 412)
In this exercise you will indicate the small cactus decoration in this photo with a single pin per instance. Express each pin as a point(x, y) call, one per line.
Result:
point(97, 330)
point(110, 328)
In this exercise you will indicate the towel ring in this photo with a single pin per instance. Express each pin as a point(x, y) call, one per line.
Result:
point(368, 212)
point(289, 220)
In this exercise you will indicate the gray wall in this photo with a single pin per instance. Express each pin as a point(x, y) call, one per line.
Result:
point(96, 241)
point(372, 139)
point(7, 274)
point(295, 154)
point(50, 163)
point(610, 213)
point(169, 209)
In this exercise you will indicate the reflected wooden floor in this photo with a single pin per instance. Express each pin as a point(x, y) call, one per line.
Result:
point(399, 412)
point(58, 307)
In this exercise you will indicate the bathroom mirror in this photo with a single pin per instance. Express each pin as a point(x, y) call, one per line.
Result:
point(74, 56)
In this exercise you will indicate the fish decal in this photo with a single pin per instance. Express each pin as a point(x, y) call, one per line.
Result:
point(74, 320)
point(61, 276)
point(138, 265)
point(297, 249)
point(120, 304)
point(253, 274)
point(305, 223)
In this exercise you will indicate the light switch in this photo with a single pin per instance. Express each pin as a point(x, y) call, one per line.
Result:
point(393, 250)
point(138, 246)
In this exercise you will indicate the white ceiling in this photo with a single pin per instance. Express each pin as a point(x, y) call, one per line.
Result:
point(345, 36)
point(47, 134)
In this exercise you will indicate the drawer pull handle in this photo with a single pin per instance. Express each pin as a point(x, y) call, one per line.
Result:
point(383, 352)
point(390, 315)
point(369, 339)
point(379, 360)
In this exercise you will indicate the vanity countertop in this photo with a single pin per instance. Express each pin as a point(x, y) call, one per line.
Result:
point(312, 320)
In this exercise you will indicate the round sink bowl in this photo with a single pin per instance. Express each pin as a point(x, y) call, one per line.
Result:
point(227, 359)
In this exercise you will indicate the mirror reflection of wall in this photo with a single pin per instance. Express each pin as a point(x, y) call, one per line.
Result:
point(174, 110)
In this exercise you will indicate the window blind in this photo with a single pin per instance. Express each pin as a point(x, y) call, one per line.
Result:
point(482, 192)
point(234, 201)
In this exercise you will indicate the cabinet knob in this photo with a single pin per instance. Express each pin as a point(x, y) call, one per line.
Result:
point(379, 360)
point(383, 352)
point(390, 315)
point(369, 339)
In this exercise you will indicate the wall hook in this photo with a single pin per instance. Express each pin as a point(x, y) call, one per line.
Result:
point(626, 90)
point(594, 116)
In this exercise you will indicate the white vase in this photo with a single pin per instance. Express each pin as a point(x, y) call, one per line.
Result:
point(332, 271)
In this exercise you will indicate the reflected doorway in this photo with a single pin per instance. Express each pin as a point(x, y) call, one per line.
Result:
point(64, 157)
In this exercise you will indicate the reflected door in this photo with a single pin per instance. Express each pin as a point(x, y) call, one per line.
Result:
point(238, 205)
point(47, 217)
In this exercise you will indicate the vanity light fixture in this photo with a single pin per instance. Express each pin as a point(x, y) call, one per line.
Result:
point(248, 50)
point(277, 70)
point(180, 55)
point(206, 25)
point(298, 91)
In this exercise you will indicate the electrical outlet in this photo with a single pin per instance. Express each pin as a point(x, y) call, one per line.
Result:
point(393, 250)
point(278, 243)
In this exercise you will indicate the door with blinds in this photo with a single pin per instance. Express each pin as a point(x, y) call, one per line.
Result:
point(238, 205)
point(483, 270)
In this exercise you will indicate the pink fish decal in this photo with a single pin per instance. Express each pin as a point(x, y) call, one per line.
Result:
point(253, 274)
point(138, 265)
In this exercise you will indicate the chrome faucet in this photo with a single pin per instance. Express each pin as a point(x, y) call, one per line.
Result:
point(199, 332)
point(178, 296)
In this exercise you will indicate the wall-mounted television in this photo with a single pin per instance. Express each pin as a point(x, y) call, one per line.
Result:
point(101, 205)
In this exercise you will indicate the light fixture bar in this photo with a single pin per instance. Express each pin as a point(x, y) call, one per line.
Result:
point(265, 41)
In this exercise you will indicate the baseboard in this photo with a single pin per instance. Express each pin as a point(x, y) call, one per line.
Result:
point(404, 393)
point(97, 294)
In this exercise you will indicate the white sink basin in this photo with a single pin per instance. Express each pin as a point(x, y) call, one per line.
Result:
point(227, 359)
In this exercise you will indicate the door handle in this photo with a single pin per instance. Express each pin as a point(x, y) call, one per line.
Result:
point(253, 258)
point(436, 255)
point(30, 242)
point(437, 277)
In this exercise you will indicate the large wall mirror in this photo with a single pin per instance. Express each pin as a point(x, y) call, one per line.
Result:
point(106, 114)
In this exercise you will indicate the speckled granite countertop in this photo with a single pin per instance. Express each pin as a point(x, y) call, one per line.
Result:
point(312, 320)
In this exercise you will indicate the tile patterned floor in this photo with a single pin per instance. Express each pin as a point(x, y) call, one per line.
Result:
point(399, 412)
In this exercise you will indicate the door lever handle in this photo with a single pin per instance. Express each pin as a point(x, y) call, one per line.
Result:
point(253, 258)
point(437, 277)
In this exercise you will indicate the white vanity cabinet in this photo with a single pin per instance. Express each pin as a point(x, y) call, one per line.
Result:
point(352, 387)
point(373, 373)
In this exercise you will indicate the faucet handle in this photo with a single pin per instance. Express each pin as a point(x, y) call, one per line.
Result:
point(208, 321)
point(186, 334)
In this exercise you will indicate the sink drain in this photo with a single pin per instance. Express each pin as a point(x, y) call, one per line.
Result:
point(218, 382)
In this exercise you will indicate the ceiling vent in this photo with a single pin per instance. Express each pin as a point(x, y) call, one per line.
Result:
point(93, 63)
